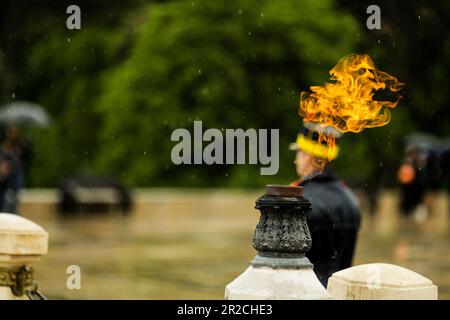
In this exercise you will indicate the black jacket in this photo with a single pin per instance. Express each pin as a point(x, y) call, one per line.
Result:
point(333, 222)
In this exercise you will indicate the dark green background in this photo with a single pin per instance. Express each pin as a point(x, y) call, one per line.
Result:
point(137, 70)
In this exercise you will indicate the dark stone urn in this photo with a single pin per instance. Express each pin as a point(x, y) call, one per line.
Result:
point(282, 236)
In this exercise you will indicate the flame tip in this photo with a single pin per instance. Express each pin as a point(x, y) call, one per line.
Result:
point(347, 103)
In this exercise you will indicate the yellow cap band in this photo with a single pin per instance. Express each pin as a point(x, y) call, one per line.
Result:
point(317, 149)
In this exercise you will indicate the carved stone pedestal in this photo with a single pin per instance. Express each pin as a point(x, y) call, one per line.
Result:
point(280, 270)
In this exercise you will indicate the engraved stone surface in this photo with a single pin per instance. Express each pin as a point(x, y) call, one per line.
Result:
point(282, 235)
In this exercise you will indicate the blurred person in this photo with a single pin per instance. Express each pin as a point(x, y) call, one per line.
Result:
point(5, 181)
point(420, 177)
point(334, 220)
point(16, 151)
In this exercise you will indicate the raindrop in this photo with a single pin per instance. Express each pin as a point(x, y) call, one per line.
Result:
point(199, 71)
point(13, 95)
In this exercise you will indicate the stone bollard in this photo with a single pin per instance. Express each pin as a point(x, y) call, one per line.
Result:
point(380, 281)
point(280, 270)
point(22, 242)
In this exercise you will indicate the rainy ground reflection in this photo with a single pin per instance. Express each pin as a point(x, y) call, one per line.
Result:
point(189, 245)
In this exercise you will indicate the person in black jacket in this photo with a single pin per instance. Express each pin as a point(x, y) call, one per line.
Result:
point(334, 220)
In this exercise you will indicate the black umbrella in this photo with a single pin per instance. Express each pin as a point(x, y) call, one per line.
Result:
point(22, 112)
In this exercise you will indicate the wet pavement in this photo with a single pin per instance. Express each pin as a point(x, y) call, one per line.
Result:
point(189, 244)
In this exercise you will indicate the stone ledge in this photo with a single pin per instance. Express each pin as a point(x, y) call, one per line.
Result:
point(380, 281)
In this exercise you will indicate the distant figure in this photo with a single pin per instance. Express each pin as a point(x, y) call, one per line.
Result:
point(335, 217)
point(14, 153)
point(5, 181)
point(444, 162)
point(420, 174)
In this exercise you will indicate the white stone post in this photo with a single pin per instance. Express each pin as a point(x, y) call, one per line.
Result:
point(22, 242)
point(380, 281)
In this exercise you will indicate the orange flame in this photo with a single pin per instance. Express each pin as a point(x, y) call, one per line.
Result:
point(347, 104)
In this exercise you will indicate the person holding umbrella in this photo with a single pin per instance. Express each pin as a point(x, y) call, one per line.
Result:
point(14, 151)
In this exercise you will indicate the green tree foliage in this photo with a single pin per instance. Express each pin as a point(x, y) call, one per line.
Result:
point(136, 71)
point(65, 71)
point(44, 62)
point(239, 64)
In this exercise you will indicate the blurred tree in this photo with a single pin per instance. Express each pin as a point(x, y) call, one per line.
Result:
point(58, 68)
point(67, 85)
point(234, 64)
point(136, 71)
